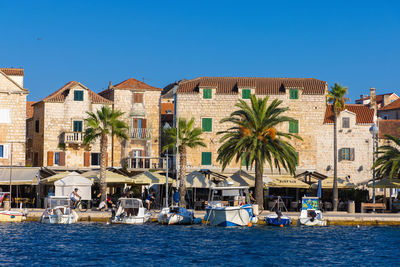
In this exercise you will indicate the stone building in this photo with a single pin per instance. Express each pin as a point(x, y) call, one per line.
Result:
point(381, 100)
point(12, 116)
point(140, 103)
point(391, 111)
point(354, 144)
point(57, 128)
point(210, 99)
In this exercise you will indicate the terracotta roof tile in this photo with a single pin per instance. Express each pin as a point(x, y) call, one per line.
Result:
point(393, 105)
point(165, 107)
point(60, 95)
point(379, 98)
point(363, 113)
point(390, 127)
point(29, 109)
point(13, 71)
point(263, 86)
point(132, 83)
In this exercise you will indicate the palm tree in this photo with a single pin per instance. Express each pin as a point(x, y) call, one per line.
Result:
point(102, 124)
point(336, 98)
point(254, 137)
point(388, 162)
point(187, 137)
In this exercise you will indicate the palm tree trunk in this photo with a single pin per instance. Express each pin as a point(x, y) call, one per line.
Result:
point(259, 187)
point(335, 160)
point(103, 162)
point(182, 176)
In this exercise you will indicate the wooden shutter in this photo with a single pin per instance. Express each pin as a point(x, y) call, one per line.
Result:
point(137, 98)
point(144, 123)
point(50, 158)
point(135, 123)
point(352, 156)
point(340, 154)
point(62, 159)
point(86, 159)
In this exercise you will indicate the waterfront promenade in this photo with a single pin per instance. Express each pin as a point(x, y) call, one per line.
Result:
point(333, 218)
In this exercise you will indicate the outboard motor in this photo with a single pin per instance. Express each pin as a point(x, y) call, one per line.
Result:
point(279, 213)
point(313, 215)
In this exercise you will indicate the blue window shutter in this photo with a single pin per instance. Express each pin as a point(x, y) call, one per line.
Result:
point(1, 151)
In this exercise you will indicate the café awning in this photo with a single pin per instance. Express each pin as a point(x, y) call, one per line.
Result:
point(111, 177)
point(19, 175)
point(327, 183)
point(55, 177)
point(197, 179)
point(386, 183)
point(242, 178)
point(285, 182)
point(149, 178)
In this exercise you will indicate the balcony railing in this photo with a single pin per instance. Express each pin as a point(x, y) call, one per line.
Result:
point(73, 137)
point(140, 133)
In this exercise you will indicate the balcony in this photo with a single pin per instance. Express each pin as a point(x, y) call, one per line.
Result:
point(140, 133)
point(73, 137)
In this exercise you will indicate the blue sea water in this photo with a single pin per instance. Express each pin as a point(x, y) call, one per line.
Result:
point(96, 244)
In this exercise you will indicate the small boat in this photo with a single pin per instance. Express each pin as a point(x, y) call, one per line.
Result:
point(130, 211)
point(310, 214)
point(175, 215)
point(278, 218)
point(229, 206)
point(59, 211)
point(12, 216)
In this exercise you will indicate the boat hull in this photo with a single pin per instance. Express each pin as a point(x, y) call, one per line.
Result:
point(273, 219)
point(308, 222)
point(59, 218)
point(229, 216)
point(131, 220)
point(12, 216)
point(171, 218)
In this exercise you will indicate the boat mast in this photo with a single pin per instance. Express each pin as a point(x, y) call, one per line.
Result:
point(11, 158)
point(166, 183)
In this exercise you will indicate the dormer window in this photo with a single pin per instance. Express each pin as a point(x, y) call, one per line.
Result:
point(78, 95)
point(345, 122)
point(294, 94)
point(246, 93)
point(207, 93)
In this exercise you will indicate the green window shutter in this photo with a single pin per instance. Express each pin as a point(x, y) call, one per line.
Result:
point(294, 127)
point(243, 158)
point(77, 126)
point(294, 94)
point(207, 93)
point(78, 95)
point(205, 158)
point(246, 93)
point(207, 124)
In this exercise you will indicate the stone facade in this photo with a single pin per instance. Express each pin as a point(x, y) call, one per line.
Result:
point(140, 103)
point(315, 150)
point(57, 127)
point(12, 117)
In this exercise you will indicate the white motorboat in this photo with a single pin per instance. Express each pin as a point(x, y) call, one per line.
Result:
point(229, 206)
point(310, 214)
point(175, 215)
point(130, 211)
point(59, 211)
point(10, 215)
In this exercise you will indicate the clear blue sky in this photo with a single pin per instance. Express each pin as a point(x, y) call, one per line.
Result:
point(355, 43)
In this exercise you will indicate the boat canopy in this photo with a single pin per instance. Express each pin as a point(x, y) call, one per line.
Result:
point(53, 202)
point(131, 203)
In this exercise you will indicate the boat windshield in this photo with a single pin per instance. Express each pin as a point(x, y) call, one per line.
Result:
point(131, 203)
point(54, 202)
point(229, 197)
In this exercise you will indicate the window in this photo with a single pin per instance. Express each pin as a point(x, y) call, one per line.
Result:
point(206, 158)
point(95, 159)
point(78, 95)
point(294, 94)
point(138, 98)
point(5, 116)
point(346, 154)
point(345, 122)
point(3, 151)
point(207, 93)
point(77, 127)
point(207, 124)
point(56, 158)
point(294, 127)
point(385, 117)
point(37, 126)
point(246, 93)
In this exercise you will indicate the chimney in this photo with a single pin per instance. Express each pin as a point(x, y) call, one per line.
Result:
point(372, 103)
point(110, 85)
point(386, 100)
